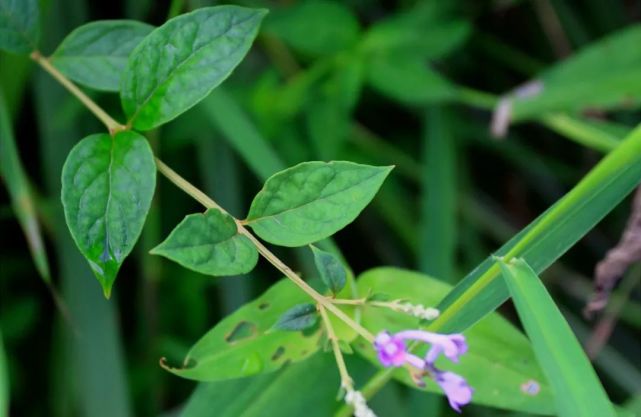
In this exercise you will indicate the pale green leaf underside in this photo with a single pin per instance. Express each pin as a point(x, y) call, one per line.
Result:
point(604, 74)
point(107, 187)
point(499, 361)
point(96, 54)
point(19, 20)
point(179, 63)
point(209, 243)
point(313, 200)
point(578, 391)
point(245, 343)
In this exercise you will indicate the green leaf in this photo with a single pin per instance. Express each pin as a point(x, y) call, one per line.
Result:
point(4, 382)
point(209, 243)
point(313, 200)
point(499, 363)
point(299, 317)
point(331, 270)
point(408, 79)
point(245, 343)
point(96, 54)
point(182, 61)
point(316, 27)
point(578, 391)
point(107, 186)
point(19, 25)
point(602, 75)
point(22, 200)
point(548, 237)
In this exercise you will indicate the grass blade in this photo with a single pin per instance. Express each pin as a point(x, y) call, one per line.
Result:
point(578, 391)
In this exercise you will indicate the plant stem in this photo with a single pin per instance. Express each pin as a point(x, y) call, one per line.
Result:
point(203, 199)
point(112, 125)
point(346, 380)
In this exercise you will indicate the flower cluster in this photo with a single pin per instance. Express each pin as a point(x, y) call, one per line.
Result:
point(418, 310)
point(392, 351)
point(357, 401)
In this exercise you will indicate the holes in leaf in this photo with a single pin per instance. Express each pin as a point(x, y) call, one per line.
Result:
point(279, 353)
point(243, 330)
point(263, 306)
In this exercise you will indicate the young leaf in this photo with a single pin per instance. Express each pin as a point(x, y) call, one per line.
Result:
point(180, 62)
point(578, 391)
point(331, 270)
point(299, 317)
point(209, 243)
point(499, 363)
point(107, 186)
point(313, 200)
point(19, 25)
point(96, 54)
point(245, 343)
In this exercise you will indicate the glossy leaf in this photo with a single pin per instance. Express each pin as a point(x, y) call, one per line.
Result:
point(499, 363)
point(316, 27)
point(313, 200)
point(19, 30)
point(96, 54)
point(299, 317)
point(245, 342)
point(209, 243)
point(182, 61)
point(107, 186)
point(331, 270)
point(548, 237)
point(578, 391)
point(22, 200)
point(602, 75)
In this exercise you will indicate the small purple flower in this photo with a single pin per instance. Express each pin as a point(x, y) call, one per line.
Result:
point(392, 351)
point(456, 389)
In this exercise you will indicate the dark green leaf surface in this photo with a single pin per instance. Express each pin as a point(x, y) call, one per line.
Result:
point(299, 317)
point(328, 27)
point(313, 200)
point(19, 20)
point(179, 63)
point(4, 382)
point(578, 391)
point(331, 270)
point(209, 243)
point(549, 236)
point(499, 362)
point(107, 186)
point(22, 201)
point(246, 343)
point(96, 54)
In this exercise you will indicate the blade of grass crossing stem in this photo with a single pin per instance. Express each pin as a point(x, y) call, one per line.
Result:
point(4, 382)
point(241, 134)
point(548, 237)
point(22, 201)
point(438, 200)
point(578, 391)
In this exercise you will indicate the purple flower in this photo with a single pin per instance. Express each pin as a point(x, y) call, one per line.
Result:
point(452, 345)
point(392, 351)
point(456, 389)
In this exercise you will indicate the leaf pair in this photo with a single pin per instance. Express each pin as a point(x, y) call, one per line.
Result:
point(296, 207)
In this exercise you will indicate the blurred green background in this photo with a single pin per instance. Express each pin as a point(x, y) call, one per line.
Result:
point(408, 83)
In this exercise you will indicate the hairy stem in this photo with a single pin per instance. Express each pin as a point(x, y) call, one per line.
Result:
point(346, 380)
point(203, 199)
point(112, 125)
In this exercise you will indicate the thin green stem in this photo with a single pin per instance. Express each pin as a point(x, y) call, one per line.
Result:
point(346, 380)
point(112, 125)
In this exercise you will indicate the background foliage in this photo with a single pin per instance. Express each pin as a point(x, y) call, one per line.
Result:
point(402, 83)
